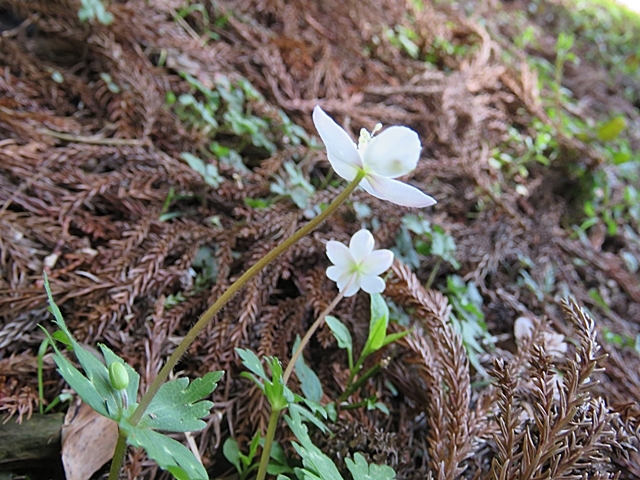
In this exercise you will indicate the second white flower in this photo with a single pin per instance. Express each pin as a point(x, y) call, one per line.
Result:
point(358, 265)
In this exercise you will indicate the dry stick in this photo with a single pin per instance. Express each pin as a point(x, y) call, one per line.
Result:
point(93, 140)
point(215, 308)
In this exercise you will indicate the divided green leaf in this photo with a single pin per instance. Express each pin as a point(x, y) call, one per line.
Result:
point(179, 406)
point(361, 470)
point(317, 465)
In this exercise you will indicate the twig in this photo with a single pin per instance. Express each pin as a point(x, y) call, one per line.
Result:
point(93, 140)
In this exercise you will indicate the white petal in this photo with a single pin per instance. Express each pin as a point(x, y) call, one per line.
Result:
point(339, 254)
point(334, 273)
point(377, 262)
point(396, 192)
point(393, 153)
point(346, 278)
point(372, 284)
point(353, 287)
point(361, 244)
point(341, 151)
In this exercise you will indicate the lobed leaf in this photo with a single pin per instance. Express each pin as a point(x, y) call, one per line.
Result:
point(252, 362)
point(361, 470)
point(179, 406)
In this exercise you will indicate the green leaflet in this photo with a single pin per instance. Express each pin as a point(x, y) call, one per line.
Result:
point(179, 406)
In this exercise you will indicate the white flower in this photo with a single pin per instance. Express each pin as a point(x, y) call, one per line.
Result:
point(393, 153)
point(359, 265)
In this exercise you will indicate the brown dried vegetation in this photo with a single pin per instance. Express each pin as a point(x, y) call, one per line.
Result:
point(85, 170)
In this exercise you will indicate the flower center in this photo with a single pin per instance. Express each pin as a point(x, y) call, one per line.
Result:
point(356, 268)
point(366, 137)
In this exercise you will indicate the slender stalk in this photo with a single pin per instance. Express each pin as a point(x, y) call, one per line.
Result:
point(275, 414)
point(434, 272)
point(310, 332)
point(353, 406)
point(41, 352)
point(355, 386)
point(233, 289)
point(118, 456)
point(92, 140)
point(268, 442)
point(356, 369)
point(207, 316)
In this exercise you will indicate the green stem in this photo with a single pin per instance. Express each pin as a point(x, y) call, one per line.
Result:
point(434, 272)
point(233, 289)
point(326, 180)
point(41, 352)
point(268, 442)
point(118, 456)
point(355, 386)
point(353, 406)
point(355, 369)
point(273, 420)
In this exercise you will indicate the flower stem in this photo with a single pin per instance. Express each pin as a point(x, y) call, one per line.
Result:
point(268, 442)
point(231, 291)
point(275, 414)
point(118, 456)
point(434, 272)
point(310, 332)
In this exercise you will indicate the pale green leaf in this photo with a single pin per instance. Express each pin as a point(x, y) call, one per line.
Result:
point(179, 406)
point(96, 372)
point(81, 384)
point(394, 337)
point(377, 326)
point(317, 465)
point(308, 416)
point(166, 452)
point(309, 381)
point(252, 362)
point(361, 470)
point(231, 452)
point(340, 332)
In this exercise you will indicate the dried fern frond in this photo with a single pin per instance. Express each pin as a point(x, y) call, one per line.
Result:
point(567, 432)
point(443, 365)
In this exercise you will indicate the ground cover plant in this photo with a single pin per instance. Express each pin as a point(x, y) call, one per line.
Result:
point(151, 154)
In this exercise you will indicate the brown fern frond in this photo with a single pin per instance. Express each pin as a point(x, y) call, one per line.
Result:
point(567, 432)
point(449, 435)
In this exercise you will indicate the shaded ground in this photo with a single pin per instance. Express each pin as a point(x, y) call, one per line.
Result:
point(96, 189)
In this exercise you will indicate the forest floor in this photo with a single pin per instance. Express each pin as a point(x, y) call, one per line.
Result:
point(153, 152)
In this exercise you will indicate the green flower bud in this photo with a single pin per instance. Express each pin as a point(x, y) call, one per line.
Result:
point(118, 376)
